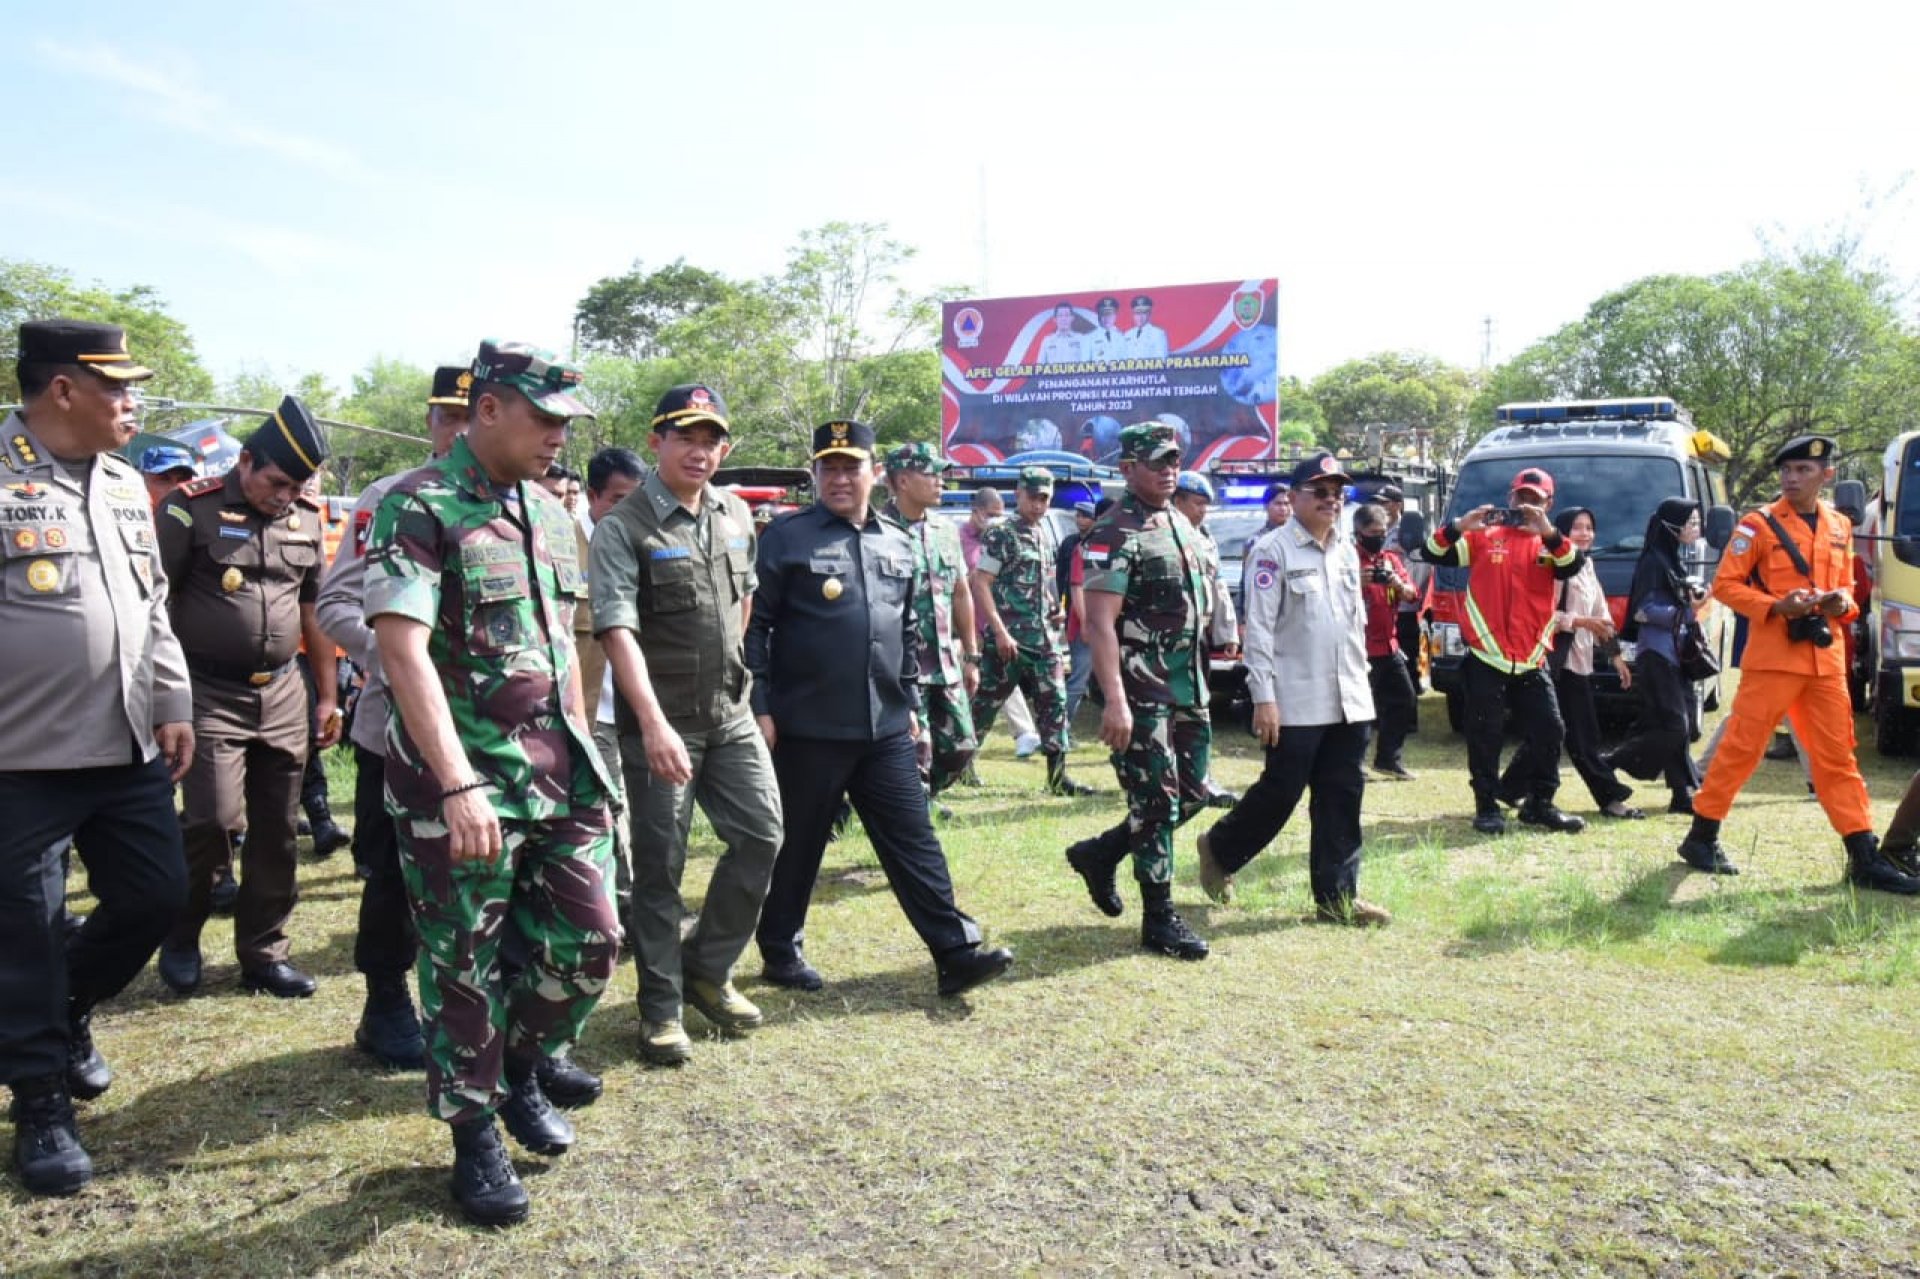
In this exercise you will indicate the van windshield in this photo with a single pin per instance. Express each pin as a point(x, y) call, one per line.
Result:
point(1622, 492)
point(1907, 515)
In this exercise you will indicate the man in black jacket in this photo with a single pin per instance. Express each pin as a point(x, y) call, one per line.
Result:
point(832, 644)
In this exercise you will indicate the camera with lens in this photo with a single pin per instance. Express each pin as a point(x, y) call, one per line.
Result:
point(1382, 575)
point(1811, 629)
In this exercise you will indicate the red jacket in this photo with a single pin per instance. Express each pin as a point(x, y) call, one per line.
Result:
point(1507, 614)
point(1383, 635)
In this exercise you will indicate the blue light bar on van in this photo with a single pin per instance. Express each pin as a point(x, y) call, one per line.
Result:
point(1242, 494)
point(1658, 406)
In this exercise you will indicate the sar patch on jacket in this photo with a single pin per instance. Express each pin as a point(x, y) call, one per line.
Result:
point(1265, 574)
point(1740, 545)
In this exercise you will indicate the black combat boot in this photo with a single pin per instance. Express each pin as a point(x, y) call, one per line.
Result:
point(1090, 862)
point(46, 1147)
point(1701, 848)
point(566, 1083)
point(389, 1030)
point(484, 1183)
point(87, 1072)
point(329, 837)
point(1868, 867)
point(1903, 851)
point(1162, 931)
point(1058, 783)
point(529, 1116)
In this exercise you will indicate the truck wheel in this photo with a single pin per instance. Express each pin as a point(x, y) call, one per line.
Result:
point(1456, 712)
point(1892, 723)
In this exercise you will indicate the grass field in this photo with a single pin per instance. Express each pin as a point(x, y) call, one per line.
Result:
point(1567, 1056)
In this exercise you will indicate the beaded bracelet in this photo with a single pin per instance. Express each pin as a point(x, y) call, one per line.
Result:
point(451, 791)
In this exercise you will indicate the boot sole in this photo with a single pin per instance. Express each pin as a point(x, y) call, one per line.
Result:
point(1175, 952)
point(1108, 904)
point(63, 1184)
point(548, 1148)
point(480, 1217)
point(390, 1060)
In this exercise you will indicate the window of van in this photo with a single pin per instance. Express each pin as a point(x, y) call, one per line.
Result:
point(1621, 491)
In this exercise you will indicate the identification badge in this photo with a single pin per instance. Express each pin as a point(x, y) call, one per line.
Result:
point(43, 575)
point(832, 589)
point(230, 581)
point(236, 533)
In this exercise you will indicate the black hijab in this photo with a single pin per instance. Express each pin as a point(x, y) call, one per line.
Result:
point(1660, 568)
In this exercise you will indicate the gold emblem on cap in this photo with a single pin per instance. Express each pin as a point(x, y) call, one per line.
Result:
point(230, 580)
point(1817, 448)
point(832, 589)
point(464, 381)
point(43, 575)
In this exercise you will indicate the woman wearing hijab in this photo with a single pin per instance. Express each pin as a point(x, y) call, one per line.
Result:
point(1582, 621)
point(1661, 603)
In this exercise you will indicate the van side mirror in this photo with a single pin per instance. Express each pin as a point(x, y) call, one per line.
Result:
point(1719, 527)
point(1850, 499)
point(1413, 531)
point(1907, 550)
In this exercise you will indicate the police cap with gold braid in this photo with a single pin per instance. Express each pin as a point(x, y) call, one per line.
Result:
point(290, 439)
point(1808, 448)
point(100, 347)
point(687, 404)
point(451, 382)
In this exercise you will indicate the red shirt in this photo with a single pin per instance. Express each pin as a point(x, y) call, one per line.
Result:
point(1382, 600)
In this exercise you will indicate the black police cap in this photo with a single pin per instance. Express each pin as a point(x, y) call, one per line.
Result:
point(855, 439)
point(100, 347)
point(451, 382)
point(290, 440)
point(688, 404)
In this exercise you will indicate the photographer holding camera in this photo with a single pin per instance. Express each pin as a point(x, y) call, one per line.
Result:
point(1789, 571)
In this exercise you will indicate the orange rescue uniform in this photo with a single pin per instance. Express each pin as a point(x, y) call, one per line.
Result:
point(1780, 676)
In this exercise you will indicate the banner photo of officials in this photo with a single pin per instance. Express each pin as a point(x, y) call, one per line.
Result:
point(1066, 373)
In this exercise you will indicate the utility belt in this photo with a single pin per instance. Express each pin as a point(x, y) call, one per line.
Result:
point(238, 673)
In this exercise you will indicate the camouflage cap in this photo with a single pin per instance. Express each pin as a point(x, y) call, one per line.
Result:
point(1148, 442)
point(539, 375)
point(1036, 479)
point(917, 457)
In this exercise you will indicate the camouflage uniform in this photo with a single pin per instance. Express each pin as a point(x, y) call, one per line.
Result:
point(947, 743)
point(1020, 558)
point(1154, 560)
point(496, 576)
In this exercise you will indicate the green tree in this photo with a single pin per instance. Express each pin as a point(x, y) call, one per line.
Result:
point(1388, 397)
point(1303, 424)
point(626, 314)
point(391, 396)
point(34, 291)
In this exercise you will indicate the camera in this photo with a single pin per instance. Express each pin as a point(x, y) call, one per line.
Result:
point(1812, 629)
point(1511, 516)
point(1382, 575)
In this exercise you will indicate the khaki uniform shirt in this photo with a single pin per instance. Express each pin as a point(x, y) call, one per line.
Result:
point(239, 578)
point(341, 610)
point(92, 664)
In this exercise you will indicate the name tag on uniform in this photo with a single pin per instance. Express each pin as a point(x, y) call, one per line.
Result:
point(736, 543)
point(672, 552)
point(238, 534)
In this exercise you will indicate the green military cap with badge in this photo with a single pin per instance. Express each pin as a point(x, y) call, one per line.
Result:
point(845, 437)
point(451, 382)
point(99, 347)
point(1148, 442)
point(1807, 448)
point(544, 378)
point(689, 404)
point(1036, 479)
point(289, 439)
point(917, 457)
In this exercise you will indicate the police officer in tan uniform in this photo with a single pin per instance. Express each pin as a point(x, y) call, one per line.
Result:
point(243, 554)
point(97, 730)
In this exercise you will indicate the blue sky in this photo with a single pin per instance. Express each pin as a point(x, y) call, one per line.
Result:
point(310, 185)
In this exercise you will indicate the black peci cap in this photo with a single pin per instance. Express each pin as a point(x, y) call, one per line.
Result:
point(290, 439)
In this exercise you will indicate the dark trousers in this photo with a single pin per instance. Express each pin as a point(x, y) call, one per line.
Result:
point(1534, 772)
point(128, 837)
point(883, 781)
point(1658, 747)
point(385, 945)
point(1394, 707)
point(1406, 627)
point(313, 781)
point(1328, 760)
point(1575, 695)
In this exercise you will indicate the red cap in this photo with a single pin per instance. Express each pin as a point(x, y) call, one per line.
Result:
point(1536, 479)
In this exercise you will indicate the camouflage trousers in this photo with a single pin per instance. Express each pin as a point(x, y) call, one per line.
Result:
point(946, 744)
point(1041, 675)
point(553, 885)
point(1164, 774)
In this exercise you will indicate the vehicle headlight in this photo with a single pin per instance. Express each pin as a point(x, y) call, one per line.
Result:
point(1900, 633)
point(1446, 637)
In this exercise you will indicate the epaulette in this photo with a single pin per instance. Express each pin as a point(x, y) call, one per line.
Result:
point(117, 465)
point(204, 485)
point(311, 503)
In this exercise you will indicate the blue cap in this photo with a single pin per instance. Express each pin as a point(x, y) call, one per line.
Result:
point(162, 458)
point(1194, 482)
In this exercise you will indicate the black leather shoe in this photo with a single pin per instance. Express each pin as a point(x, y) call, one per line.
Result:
point(1087, 863)
point(531, 1119)
point(46, 1146)
point(279, 979)
point(1547, 817)
point(962, 970)
point(1163, 932)
point(794, 974)
point(389, 1031)
point(87, 1072)
point(566, 1084)
point(329, 837)
point(1490, 821)
point(1706, 855)
point(1868, 867)
point(484, 1183)
point(180, 968)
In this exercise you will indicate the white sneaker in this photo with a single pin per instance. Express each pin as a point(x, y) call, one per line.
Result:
point(1025, 745)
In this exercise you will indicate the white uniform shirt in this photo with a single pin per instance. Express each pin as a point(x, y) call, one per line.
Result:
point(1306, 642)
point(1060, 348)
point(1103, 346)
point(1146, 342)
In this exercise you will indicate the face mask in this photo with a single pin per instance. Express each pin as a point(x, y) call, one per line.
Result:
point(1373, 545)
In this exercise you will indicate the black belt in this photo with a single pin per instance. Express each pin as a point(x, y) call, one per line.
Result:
point(238, 674)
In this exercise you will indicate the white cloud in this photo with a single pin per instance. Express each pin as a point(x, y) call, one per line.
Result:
point(178, 102)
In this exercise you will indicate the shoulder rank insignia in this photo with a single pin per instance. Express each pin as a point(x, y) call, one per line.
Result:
point(205, 484)
point(24, 447)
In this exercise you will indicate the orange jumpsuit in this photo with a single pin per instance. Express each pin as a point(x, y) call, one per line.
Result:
point(1781, 676)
